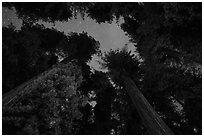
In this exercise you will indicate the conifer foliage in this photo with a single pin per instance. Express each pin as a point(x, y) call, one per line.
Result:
point(48, 105)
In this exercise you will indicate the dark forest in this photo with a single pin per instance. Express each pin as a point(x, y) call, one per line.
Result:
point(48, 87)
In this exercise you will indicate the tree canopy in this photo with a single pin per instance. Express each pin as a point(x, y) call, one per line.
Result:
point(166, 70)
point(34, 49)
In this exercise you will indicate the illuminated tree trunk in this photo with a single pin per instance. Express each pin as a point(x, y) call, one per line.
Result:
point(153, 123)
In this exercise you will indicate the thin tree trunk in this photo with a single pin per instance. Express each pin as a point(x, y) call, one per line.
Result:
point(153, 123)
point(10, 96)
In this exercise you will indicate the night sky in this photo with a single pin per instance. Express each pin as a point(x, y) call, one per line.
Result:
point(110, 36)
point(9, 16)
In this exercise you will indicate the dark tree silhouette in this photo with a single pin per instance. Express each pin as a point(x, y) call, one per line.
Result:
point(47, 11)
point(34, 49)
point(167, 70)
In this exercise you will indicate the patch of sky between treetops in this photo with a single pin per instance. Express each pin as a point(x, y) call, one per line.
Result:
point(110, 35)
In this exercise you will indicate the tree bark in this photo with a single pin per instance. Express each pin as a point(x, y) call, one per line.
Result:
point(153, 123)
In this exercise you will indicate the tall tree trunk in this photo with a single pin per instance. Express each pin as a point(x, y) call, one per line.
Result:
point(153, 123)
